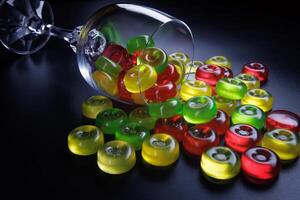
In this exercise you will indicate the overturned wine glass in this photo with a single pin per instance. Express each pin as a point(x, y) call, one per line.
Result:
point(130, 53)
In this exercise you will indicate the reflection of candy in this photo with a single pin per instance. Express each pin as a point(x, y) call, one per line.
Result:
point(284, 143)
point(108, 66)
point(105, 82)
point(85, 140)
point(116, 157)
point(191, 67)
point(111, 119)
point(139, 42)
point(140, 78)
point(250, 80)
point(175, 126)
point(199, 110)
point(95, 104)
point(283, 119)
point(154, 57)
point(160, 149)
point(231, 88)
point(133, 133)
point(260, 98)
point(141, 115)
point(257, 69)
point(197, 140)
point(249, 114)
point(169, 108)
point(240, 137)
point(220, 163)
point(209, 74)
point(169, 74)
point(161, 92)
point(220, 61)
point(122, 91)
point(181, 57)
point(224, 104)
point(191, 88)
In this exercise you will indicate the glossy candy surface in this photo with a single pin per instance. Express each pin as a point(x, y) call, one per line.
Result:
point(139, 43)
point(227, 72)
point(95, 104)
point(85, 140)
point(170, 74)
point(192, 66)
point(116, 157)
point(161, 92)
point(257, 69)
point(227, 105)
point(283, 119)
point(209, 74)
point(123, 93)
point(166, 109)
point(160, 150)
point(192, 88)
point(260, 98)
point(231, 88)
point(181, 57)
point(154, 57)
point(250, 80)
point(141, 116)
point(108, 66)
point(220, 61)
point(106, 82)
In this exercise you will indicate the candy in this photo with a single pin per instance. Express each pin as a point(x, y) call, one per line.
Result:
point(105, 82)
point(139, 42)
point(209, 74)
point(220, 61)
point(154, 57)
point(231, 88)
point(227, 72)
point(108, 66)
point(160, 150)
point(257, 69)
point(249, 114)
point(116, 157)
point(135, 56)
point(240, 137)
point(133, 133)
point(123, 93)
point(197, 140)
point(141, 116)
point(199, 110)
point(220, 163)
point(191, 88)
point(192, 66)
point(161, 92)
point(170, 74)
point(284, 143)
point(140, 78)
point(260, 98)
point(260, 165)
point(227, 105)
point(174, 126)
point(250, 80)
point(85, 140)
point(283, 119)
point(111, 119)
point(138, 98)
point(181, 57)
point(169, 108)
point(95, 104)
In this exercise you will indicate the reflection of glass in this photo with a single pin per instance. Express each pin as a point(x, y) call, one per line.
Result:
point(26, 25)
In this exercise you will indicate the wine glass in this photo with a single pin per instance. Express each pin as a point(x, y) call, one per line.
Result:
point(102, 45)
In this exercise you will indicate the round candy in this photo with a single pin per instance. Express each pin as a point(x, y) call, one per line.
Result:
point(139, 42)
point(209, 74)
point(170, 74)
point(105, 82)
point(220, 61)
point(108, 66)
point(135, 56)
point(133, 133)
point(169, 108)
point(197, 140)
point(257, 69)
point(220, 163)
point(141, 116)
point(240, 137)
point(249, 114)
point(181, 57)
point(116, 157)
point(284, 143)
point(161, 92)
point(227, 105)
point(260, 98)
point(95, 104)
point(111, 119)
point(85, 140)
point(199, 110)
point(227, 72)
point(231, 88)
point(160, 149)
point(191, 67)
point(250, 80)
point(123, 93)
point(283, 119)
point(138, 98)
point(140, 78)
point(154, 57)
point(260, 165)
point(192, 88)
point(174, 126)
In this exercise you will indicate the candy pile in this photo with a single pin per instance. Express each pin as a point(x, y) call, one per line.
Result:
point(224, 120)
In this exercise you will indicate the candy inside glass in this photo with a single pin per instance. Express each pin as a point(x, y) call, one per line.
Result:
point(26, 26)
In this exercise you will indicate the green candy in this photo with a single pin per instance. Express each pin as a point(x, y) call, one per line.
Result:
point(154, 57)
point(110, 32)
point(231, 88)
point(141, 116)
point(249, 114)
point(108, 66)
point(199, 110)
point(111, 119)
point(133, 133)
point(139, 42)
point(165, 109)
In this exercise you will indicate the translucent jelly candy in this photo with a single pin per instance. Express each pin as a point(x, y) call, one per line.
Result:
point(108, 66)
point(224, 104)
point(231, 88)
point(191, 67)
point(257, 69)
point(106, 82)
point(192, 88)
point(250, 80)
point(181, 57)
point(85, 140)
point(170, 74)
point(139, 42)
point(227, 72)
point(95, 104)
point(221, 61)
point(260, 98)
point(123, 93)
point(166, 109)
point(141, 116)
point(209, 74)
point(283, 119)
point(154, 57)
point(161, 92)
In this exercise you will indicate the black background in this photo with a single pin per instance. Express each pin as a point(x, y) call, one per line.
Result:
point(41, 96)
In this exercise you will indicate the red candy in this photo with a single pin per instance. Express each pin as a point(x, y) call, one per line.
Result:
point(283, 119)
point(240, 137)
point(227, 72)
point(260, 165)
point(175, 126)
point(169, 74)
point(257, 69)
point(197, 139)
point(119, 55)
point(161, 92)
point(122, 91)
point(134, 57)
point(209, 74)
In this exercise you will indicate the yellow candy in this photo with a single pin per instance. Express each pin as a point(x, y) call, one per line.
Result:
point(138, 98)
point(191, 67)
point(227, 105)
point(95, 104)
point(192, 88)
point(180, 71)
point(260, 98)
point(251, 81)
point(181, 57)
point(221, 61)
point(105, 82)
